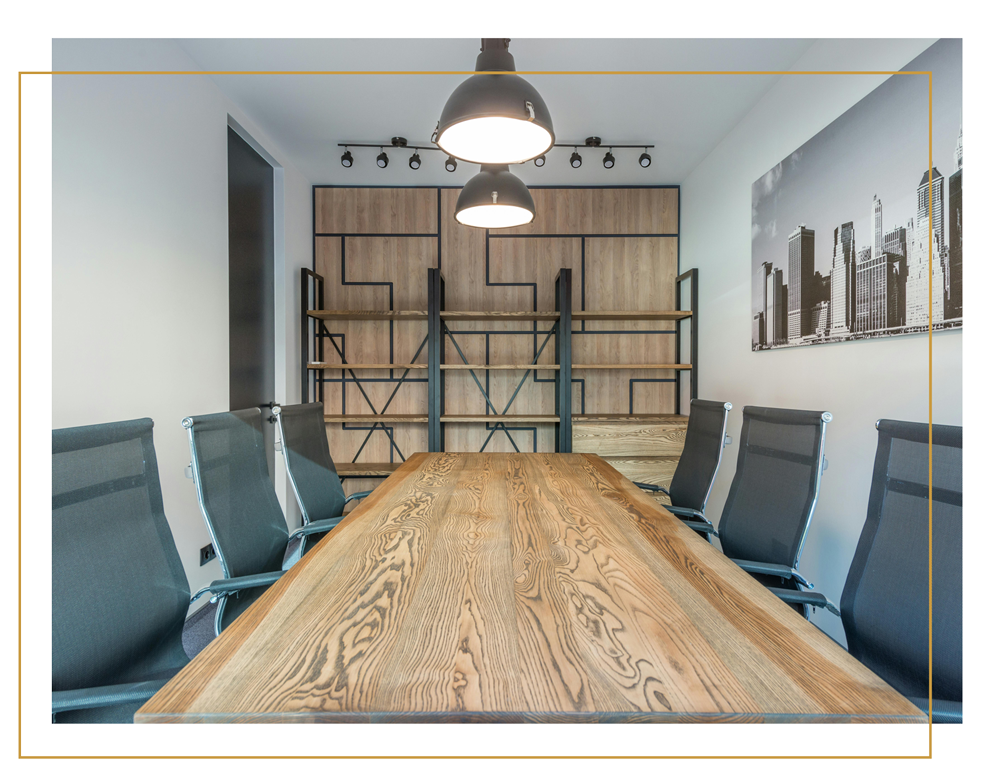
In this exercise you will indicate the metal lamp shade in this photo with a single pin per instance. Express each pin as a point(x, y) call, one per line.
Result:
point(494, 198)
point(495, 116)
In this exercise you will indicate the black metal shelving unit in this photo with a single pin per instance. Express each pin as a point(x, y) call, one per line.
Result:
point(438, 332)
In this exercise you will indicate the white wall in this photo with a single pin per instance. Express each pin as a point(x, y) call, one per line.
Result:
point(858, 382)
point(141, 259)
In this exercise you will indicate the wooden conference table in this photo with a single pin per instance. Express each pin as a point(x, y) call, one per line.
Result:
point(520, 587)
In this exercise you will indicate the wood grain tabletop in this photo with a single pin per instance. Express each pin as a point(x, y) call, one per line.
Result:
point(520, 587)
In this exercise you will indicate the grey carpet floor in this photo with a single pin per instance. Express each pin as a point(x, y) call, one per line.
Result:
point(199, 630)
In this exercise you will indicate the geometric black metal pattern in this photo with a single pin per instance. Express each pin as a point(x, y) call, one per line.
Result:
point(435, 381)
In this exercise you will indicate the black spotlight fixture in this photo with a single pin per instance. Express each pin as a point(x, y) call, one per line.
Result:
point(645, 160)
point(540, 161)
point(494, 198)
point(495, 116)
point(415, 161)
point(347, 159)
point(609, 160)
point(382, 160)
point(451, 164)
point(575, 160)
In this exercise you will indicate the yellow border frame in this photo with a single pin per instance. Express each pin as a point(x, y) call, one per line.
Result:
point(930, 376)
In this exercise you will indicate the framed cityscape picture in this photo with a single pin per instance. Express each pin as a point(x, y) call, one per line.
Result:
point(851, 236)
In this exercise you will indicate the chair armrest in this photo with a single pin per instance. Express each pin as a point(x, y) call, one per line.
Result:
point(359, 495)
point(234, 585)
point(686, 513)
point(700, 527)
point(944, 711)
point(800, 597)
point(773, 569)
point(315, 527)
point(105, 695)
point(651, 487)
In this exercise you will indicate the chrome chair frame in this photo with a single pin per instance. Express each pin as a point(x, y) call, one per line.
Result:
point(276, 412)
point(695, 517)
point(221, 589)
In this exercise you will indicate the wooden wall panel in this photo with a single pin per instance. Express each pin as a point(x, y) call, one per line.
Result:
point(609, 273)
point(376, 210)
point(602, 211)
point(372, 263)
point(649, 470)
point(639, 272)
point(625, 439)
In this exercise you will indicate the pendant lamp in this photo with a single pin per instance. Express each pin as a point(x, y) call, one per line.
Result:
point(494, 198)
point(495, 116)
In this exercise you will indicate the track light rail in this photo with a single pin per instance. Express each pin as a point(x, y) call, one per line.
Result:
point(608, 146)
point(390, 146)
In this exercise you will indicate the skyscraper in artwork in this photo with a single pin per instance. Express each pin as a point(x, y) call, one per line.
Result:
point(876, 227)
point(842, 281)
point(896, 245)
point(762, 273)
point(775, 313)
point(953, 305)
point(925, 282)
point(801, 265)
point(865, 293)
point(925, 205)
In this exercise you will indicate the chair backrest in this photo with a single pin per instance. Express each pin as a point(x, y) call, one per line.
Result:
point(310, 467)
point(885, 599)
point(774, 492)
point(699, 463)
point(119, 593)
point(235, 491)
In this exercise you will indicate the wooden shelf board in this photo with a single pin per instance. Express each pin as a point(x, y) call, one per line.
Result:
point(372, 418)
point(644, 418)
point(507, 419)
point(333, 366)
point(324, 366)
point(499, 366)
point(455, 315)
point(464, 315)
point(631, 366)
point(631, 315)
point(360, 469)
point(368, 315)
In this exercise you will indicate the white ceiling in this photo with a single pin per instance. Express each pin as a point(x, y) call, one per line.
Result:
point(684, 116)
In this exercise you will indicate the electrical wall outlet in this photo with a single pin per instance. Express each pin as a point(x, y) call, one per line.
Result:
point(207, 554)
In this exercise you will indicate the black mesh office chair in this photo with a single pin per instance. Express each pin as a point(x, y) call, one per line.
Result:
point(119, 594)
point(885, 598)
point(773, 496)
point(314, 478)
point(240, 508)
point(698, 465)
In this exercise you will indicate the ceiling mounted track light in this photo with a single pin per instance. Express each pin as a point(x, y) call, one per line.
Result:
point(595, 142)
point(495, 116)
point(382, 159)
point(494, 198)
point(451, 164)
